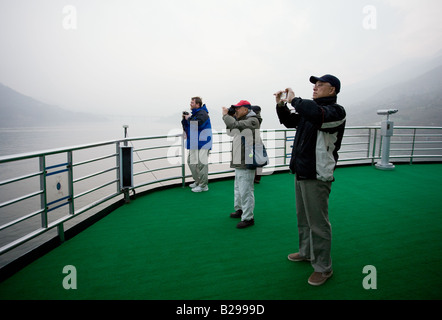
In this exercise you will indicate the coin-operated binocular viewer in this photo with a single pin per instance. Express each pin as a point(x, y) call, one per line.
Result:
point(387, 133)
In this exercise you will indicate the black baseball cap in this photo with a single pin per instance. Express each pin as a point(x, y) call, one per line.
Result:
point(334, 82)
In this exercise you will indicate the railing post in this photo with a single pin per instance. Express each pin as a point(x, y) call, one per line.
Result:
point(381, 141)
point(375, 137)
point(117, 164)
point(71, 182)
point(285, 147)
point(369, 143)
point(412, 147)
point(43, 198)
point(183, 161)
point(60, 230)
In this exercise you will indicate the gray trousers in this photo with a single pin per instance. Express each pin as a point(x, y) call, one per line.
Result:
point(198, 161)
point(244, 192)
point(314, 227)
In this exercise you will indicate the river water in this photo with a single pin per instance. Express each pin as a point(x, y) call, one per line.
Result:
point(30, 139)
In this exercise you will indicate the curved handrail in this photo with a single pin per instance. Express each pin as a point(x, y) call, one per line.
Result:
point(88, 176)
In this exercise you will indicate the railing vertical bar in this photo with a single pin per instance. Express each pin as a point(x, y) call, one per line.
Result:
point(412, 146)
point(285, 147)
point(380, 146)
point(60, 230)
point(43, 196)
point(117, 165)
point(71, 182)
point(369, 141)
point(183, 162)
point(374, 146)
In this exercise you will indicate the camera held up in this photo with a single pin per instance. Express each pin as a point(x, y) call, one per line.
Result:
point(231, 111)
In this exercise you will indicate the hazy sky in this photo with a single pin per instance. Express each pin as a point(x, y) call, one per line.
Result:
point(150, 57)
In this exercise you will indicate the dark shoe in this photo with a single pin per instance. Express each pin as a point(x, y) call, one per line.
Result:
point(297, 257)
point(319, 278)
point(236, 214)
point(245, 224)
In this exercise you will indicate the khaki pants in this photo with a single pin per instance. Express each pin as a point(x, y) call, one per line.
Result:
point(244, 192)
point(314, 227)
point(198, 161)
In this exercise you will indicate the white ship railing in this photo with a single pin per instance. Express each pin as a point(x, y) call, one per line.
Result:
point(86, 179)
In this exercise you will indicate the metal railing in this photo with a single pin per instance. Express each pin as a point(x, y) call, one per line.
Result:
point(50, 190)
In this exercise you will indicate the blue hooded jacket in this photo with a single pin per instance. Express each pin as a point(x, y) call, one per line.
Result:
point(198, 129)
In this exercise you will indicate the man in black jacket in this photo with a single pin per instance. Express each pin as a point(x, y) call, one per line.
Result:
point(320, 125)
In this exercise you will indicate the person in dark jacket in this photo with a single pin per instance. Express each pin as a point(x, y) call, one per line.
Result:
point(198, 130)
point(320, 125)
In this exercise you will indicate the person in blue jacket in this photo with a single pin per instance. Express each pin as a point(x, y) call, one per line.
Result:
point(198, 130)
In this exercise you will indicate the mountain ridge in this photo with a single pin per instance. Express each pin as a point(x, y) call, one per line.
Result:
point(19, 110)
point(419, 101)
point(415, 89)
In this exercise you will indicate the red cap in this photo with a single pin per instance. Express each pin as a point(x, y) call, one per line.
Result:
point(243, 103)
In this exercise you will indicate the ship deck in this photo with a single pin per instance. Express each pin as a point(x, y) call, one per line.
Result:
point(178, 245)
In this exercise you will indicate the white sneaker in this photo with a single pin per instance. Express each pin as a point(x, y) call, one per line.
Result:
point(193, 185)
point(200, 189)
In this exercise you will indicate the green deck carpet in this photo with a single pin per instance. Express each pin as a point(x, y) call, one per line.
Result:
point(176, 244)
